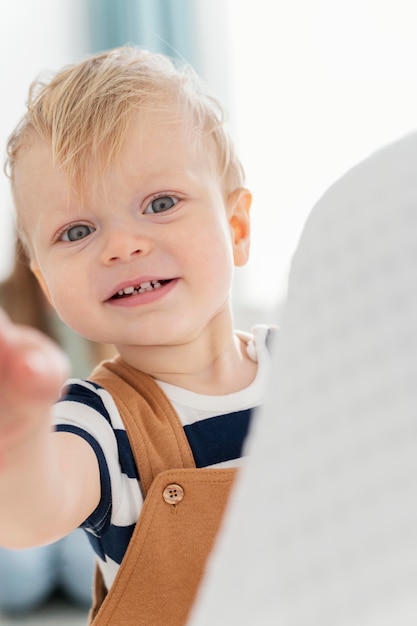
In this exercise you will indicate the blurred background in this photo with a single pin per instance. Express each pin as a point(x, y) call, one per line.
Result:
point(311, 87)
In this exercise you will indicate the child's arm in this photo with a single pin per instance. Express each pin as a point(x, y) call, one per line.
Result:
point(49, 482)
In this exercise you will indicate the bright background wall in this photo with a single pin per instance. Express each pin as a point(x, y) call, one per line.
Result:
point(35, 35)
point(312, 86)
point(317, 85)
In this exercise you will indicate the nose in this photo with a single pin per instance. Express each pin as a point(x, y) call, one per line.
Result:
point(123, 243)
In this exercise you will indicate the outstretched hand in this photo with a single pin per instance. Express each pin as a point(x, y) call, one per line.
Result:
point(32, 372)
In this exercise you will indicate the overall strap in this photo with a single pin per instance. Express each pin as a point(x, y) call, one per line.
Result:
point(155, 432)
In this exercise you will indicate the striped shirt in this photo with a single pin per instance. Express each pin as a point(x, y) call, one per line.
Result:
point(215, 426)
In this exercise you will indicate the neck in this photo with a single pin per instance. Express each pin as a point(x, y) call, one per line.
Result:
point(211, 363)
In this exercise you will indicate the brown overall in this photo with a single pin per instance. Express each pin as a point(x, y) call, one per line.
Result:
point(158, 578)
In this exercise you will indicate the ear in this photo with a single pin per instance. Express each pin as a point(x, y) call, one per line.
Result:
point(41, 280)
point(238, 207)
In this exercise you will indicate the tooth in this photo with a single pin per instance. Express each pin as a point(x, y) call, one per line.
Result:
point(146, 286)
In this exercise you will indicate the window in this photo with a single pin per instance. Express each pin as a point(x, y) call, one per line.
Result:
point(313, 86)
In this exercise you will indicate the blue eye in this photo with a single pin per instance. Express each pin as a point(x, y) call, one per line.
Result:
point(161, 204)
point(79, 231)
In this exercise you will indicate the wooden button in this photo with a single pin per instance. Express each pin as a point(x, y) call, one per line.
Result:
point(173, 493)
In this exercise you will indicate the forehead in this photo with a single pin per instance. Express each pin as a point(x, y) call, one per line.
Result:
point(156, 147)
point(34, 173)
point(152, 143)
point(157, 142)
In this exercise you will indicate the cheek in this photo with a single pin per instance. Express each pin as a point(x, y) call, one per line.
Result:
point(216, 266)
point(66, 293)
point(211, 255)
point(216, 236)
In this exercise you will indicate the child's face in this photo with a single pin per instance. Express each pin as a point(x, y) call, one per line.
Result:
point(157, 225)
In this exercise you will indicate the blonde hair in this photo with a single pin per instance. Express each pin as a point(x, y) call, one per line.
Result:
point(85, 111)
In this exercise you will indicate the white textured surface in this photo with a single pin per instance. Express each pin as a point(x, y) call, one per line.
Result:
point(322, 530)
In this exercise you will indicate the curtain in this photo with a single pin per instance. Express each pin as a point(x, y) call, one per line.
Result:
point(165, 26)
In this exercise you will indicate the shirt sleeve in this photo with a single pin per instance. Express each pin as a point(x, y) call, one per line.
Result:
point(88, 411)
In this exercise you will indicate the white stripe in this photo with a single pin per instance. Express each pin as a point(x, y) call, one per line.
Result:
point(109, 570)
point(98, 427)
point(130, 505)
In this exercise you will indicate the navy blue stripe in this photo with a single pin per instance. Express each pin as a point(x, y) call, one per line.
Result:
point(100, 517)
point(113, 542)
point(96, 545)
point(79, 393)
point(90, 382)
point(219, 438)
point(126, 458)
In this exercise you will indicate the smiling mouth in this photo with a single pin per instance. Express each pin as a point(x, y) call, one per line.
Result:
point(132, 290)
